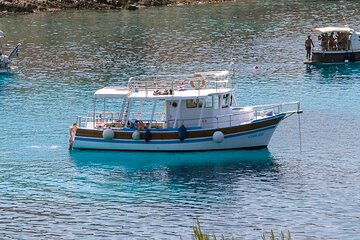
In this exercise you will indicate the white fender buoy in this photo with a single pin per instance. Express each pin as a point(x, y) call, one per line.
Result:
point(218, 137)
point(108, 134)
point(136, 135)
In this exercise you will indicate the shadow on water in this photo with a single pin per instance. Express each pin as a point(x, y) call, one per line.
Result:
point(134, 161)
point(188, 178)
point(5, 78)
point(186, 170)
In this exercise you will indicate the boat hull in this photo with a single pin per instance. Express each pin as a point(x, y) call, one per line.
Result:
point(335, 56)
point(253, 135)
point(5, 70)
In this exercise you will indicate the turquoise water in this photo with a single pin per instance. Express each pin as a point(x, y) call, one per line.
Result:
point(46, 192)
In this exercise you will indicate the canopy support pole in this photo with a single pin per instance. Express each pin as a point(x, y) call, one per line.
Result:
point(153, 113)
point(177, 114)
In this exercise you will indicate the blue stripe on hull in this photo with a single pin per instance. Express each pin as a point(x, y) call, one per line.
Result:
point(175, 141)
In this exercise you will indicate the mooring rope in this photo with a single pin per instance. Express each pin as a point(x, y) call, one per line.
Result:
point(300, 133)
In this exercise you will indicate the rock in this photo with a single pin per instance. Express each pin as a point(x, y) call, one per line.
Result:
point(30, 6)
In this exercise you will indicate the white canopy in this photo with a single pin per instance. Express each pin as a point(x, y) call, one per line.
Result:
point(2, 34)
point(144, 87)
point(118, 92)
point(332, 29)
point(111, 92)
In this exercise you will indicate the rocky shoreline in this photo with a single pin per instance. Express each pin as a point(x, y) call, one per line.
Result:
point(33, 6)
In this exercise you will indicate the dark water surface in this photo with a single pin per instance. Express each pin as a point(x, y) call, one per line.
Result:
point(48, 193)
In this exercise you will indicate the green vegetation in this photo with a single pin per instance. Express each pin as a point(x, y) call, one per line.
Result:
point(282, 236)
point(198, 234)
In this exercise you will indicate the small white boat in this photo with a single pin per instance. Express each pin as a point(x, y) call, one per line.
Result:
point(6, 60)
point(193, 112)
point(337, 45)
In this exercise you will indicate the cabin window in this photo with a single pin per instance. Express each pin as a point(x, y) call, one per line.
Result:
point(225, 101)
point(215, 101)
point(191, 103)
point(208, 103)
point(194, 103)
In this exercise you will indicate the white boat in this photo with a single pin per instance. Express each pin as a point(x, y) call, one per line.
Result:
point(193, 112)
point(6, 60)
point(337, 45)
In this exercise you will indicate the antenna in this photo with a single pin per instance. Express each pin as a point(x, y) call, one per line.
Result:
point(300, 133)
point(232, 73)
point(232, 80)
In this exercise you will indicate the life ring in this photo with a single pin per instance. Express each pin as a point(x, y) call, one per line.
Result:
point(199, 79)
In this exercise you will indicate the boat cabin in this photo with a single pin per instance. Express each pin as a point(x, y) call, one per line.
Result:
point(200, 100)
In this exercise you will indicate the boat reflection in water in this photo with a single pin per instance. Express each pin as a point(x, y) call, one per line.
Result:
point(257, 160)
point(172, 183)
point(333, 73)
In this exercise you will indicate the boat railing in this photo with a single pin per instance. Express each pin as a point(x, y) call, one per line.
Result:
point(168, 84)
point(249, 114)
point(286, 107)
point(270, 109)
point(224, 120)
point(116, 120)
point(95, 121)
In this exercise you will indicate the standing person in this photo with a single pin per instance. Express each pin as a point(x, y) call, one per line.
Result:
point(326, 42)
point(72, 133)
point(308, 44)
point(332, 43)
point(339, 40)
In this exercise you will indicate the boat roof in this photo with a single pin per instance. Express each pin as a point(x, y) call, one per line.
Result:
point(111, 92)
point(333, 29)
point(187, 86)
point(117, 92)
